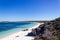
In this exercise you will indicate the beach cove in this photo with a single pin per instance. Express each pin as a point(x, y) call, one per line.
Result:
point(21, 35)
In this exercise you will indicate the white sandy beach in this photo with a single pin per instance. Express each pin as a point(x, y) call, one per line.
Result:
point(21, 35)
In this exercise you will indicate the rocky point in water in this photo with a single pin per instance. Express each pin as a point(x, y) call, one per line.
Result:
point(47, 31)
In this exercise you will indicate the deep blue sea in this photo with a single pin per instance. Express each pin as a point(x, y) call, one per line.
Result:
point(7, 28)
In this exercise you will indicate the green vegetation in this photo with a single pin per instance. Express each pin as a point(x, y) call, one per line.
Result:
point(48, 31)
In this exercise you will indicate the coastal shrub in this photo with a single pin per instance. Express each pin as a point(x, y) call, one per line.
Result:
point(48, 31)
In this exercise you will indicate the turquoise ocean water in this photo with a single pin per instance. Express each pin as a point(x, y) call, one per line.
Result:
point(9, 28)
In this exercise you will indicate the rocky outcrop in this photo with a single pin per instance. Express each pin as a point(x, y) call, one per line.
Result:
point(48, 31)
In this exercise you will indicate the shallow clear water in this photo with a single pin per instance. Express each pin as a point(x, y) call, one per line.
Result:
point(9, 28)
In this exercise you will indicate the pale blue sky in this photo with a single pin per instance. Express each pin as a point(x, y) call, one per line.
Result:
point(18, 10)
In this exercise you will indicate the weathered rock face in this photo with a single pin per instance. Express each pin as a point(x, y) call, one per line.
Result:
point(48, 31)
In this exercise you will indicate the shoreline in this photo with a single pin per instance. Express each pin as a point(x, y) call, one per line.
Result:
point(21, 35)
